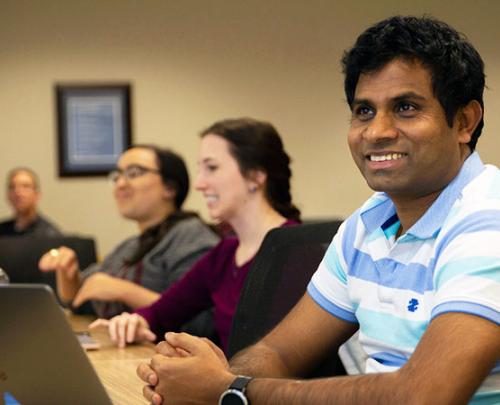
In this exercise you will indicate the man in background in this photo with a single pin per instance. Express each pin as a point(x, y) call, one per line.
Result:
point(23, 194)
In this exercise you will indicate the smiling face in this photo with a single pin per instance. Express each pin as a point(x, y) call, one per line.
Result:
point(144, 198)
point(219, 178)
point(399, 137)
point(22, 193)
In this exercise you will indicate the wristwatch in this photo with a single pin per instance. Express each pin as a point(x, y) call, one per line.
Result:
point(235, 394)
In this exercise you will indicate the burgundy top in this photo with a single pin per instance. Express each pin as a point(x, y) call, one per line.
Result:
point(214, 281)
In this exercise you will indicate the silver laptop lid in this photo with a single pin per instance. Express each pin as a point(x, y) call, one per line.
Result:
point(41, 361)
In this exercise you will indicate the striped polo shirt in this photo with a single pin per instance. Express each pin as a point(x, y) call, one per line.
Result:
point(448, 261)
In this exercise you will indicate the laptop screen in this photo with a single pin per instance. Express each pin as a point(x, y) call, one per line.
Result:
point(41, 360)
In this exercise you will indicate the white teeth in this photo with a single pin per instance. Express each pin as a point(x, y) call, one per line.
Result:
point(211, 198)
point(383, 158)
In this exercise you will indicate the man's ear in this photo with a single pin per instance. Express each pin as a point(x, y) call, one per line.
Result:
point(38, 196)
point(468, 120)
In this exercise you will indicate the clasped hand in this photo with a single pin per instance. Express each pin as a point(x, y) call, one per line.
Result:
point(185, 370)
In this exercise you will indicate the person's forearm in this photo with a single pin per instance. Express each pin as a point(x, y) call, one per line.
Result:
point(400, 387)
point(259, 360)
point(67, 286)
point(383, 388)
point(136, 296)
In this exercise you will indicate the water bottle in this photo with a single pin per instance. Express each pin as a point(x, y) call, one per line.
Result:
point(4, 278)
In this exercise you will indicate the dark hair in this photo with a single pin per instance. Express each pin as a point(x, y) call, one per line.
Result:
point(32, 174)
point(256, 145)
point(457, 70)
point(173, 171)
point(174, 174)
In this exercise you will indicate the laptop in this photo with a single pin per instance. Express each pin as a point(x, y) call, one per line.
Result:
point(19, 256)
point(41, 360)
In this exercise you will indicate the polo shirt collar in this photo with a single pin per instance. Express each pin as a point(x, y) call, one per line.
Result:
point(379, 209)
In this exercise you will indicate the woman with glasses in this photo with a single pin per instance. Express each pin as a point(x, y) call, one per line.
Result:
point(150, 185)
point(244, 175)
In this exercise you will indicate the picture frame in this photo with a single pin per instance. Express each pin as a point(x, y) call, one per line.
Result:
point(93, 127)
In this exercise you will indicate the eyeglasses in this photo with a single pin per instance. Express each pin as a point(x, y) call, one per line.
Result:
point(130, 173)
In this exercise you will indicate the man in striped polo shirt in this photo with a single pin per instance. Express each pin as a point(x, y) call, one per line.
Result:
point(416, 269)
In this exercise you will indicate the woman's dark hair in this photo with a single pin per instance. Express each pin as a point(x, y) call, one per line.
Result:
point(174, 175)
point(256, 145)
point(457, 70)
point(173, 171)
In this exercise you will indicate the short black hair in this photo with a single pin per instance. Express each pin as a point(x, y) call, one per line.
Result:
point(457, 70)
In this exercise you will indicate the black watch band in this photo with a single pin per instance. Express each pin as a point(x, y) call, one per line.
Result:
point(235, 394)
point(240, 382)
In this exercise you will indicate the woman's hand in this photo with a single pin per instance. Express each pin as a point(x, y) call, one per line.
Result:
point(126, 328)
point(99, 286)
point(63, 260)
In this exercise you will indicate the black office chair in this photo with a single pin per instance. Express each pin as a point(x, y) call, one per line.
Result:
point(277, 280)
point(19, 256)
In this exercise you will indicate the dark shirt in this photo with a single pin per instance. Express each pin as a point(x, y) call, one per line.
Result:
point(214, 281)
point(39, 227)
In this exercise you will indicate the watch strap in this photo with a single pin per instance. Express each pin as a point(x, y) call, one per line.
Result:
point(240, 383)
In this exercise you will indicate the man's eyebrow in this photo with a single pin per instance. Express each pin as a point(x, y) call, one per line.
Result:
point(409, 95)
point(361, 101)
point(400, 97)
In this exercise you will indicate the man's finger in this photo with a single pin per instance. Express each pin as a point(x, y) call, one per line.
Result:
point(147, 374)
point(220, 354)
point(151, 395)
point(166, 349)
point(188, 343)
point(182, 352)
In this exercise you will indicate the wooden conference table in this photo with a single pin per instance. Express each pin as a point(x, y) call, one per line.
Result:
point(116, 367)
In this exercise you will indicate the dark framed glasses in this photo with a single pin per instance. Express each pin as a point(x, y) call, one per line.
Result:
point(130, 173)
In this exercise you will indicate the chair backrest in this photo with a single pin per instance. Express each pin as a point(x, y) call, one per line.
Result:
point(277, 280)
point(19, 256)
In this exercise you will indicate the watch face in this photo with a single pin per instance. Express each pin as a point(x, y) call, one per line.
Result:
point(233, 397)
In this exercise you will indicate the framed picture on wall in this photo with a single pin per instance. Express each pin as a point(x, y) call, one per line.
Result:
point(93, 127)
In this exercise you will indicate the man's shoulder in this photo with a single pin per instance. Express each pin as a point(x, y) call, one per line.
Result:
point(7, 222)
point(45, 226)
point(481, 193)
point(485, 185)
point(7, 227)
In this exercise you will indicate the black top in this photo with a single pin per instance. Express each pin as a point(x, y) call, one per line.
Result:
point(39, 227)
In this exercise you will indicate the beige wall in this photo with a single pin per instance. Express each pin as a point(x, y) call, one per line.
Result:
point(193, 62)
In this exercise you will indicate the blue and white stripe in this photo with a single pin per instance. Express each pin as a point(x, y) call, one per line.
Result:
point(449, 261)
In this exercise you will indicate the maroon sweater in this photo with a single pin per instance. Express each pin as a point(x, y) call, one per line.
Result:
point(214, 281)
